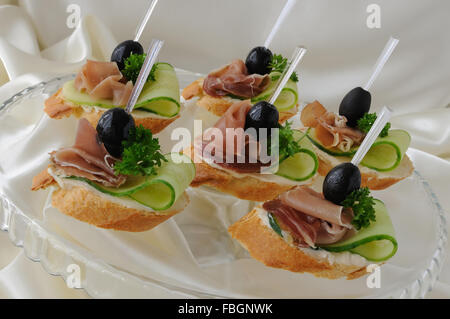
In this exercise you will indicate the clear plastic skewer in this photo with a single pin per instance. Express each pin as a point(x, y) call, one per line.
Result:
point(152, 54)
point(276, 27)
point(144, 21)
point(382, 59)
point(292, 64)
point(376, 129)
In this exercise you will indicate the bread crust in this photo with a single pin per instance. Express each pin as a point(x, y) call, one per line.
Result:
point(61, 110)
point(247, 187)
point(216, 105)
point(266, 246)
point(86, 206)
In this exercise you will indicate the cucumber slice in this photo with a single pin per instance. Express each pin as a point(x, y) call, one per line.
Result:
point(161, 97)
point(385, 154)
point(158, 192)
point(288, 97)
point(375, 243)
point(172, 179)
point(303, 165)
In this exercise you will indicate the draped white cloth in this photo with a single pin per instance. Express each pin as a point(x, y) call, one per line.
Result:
point(36, 44)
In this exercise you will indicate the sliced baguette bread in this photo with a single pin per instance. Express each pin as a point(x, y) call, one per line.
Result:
point(87, 205)
point(373, 179)
point(56, 107)
point(243, 186)
point(218, 106)
point(268, 247)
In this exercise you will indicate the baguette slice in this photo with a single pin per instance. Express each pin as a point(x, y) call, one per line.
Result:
point(89, 207)
point(245, 187)
point(371, 178)
point(218, 106)
point(56, 107)
point(268, 247)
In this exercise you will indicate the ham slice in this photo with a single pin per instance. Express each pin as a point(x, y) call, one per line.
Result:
point(87, 158)
point(103, 80)
point(331, 129)
point(310, 218)
point(242, 154)
point(302, 228)
point(312, 203)
point(234, 79)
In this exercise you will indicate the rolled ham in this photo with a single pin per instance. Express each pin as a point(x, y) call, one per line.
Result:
point(330, 128)
point(87, 158)
point(234, 79)
point(312, 203)
point(242, 155)
point(103, 80)
point(309, 218)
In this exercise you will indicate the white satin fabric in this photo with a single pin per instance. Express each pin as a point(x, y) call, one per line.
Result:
point(35, 45)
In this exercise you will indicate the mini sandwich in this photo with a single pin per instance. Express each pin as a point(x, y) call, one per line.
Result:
point(232, 167)
point(100, 86)
point(301, 231)
point(127, 186)
point(255, 79)
point(336, 138)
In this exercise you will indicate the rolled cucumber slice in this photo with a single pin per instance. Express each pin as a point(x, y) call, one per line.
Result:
point(385, 154)
point(161, 96)
point(303, 165)
point(288, 97)
point(375, 243)
point(160, 191)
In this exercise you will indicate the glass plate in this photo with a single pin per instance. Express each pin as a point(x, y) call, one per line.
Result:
point(190, 255)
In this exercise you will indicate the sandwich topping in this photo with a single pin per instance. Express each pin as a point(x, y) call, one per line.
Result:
point(234, 79)
point(236, 155)
point(331, 129)
point(87, 158)
point(103, 80)
point(232, 145)
point(309, 217)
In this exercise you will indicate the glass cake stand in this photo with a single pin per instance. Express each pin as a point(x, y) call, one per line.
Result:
point(190, 255)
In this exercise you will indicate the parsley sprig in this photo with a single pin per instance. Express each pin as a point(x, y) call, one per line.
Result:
point(288, 146)
point(141, 154)
point(133, 65)
point(362, 204)
point(365, 123)
point(279, 64)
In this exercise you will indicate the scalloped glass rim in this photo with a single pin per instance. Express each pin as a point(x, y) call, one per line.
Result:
point(56, 253)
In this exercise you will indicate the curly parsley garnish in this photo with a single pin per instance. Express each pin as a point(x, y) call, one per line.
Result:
point(288, 146)
point(362, 205)
point(366, 122)
point(141, 154)
point(133, 65)
point(279, 64)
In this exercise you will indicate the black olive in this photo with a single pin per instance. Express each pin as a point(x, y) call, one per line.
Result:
point(341, 181)
point(124, 50)
point(262, 115)
point(258, 61)
point(354, 105)
point(113, 128)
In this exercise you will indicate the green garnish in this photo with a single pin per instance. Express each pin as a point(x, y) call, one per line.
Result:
point(366, 122)
point(133, 65)
point(362, 205)
point(279, 64)
point(274, 224)
point(288, 146)
point(141, 154)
